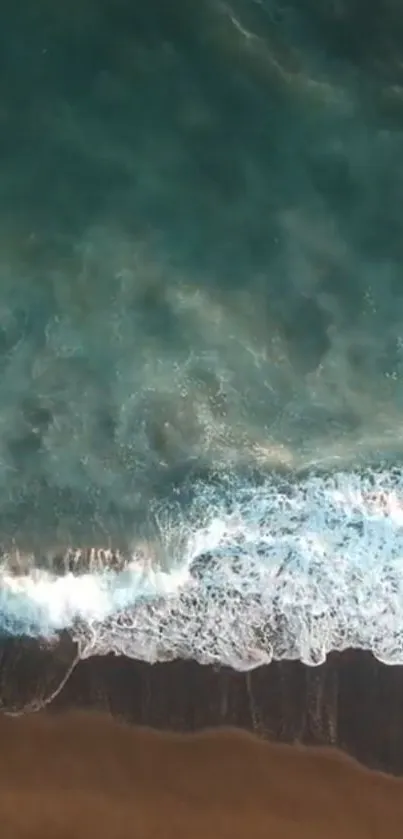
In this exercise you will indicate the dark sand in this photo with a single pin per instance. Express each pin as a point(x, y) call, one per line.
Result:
point(85, 775)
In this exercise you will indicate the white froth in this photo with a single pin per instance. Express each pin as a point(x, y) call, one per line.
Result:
point(42, 603)
point(291, 569)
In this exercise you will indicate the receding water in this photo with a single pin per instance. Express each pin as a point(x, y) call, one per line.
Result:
point(201, 302)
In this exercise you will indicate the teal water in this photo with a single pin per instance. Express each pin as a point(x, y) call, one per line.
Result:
point(200, 290)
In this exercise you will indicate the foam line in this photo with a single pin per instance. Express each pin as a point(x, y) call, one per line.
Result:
point(41, 603)
point(283, 568)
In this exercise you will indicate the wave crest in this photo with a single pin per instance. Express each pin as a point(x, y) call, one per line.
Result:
point(276, 568)
point(288, 569)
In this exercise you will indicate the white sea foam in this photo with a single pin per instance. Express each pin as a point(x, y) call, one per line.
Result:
point(279, 568)
point(42, 603)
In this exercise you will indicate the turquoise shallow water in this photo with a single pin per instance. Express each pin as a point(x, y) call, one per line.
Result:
point(200, 287)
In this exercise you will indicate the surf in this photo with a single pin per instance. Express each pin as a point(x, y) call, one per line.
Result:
point(281, 567)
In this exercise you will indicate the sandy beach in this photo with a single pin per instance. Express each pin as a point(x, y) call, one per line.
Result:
point(83, 774)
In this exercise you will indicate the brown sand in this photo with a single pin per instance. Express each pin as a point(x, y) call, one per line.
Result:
point(84, 775)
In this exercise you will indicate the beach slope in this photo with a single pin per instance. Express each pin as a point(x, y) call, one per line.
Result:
point(84, 774)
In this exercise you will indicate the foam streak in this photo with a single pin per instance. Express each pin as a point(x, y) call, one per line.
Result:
point(285, 569)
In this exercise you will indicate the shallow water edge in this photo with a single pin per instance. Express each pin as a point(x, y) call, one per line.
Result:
point(352, 701)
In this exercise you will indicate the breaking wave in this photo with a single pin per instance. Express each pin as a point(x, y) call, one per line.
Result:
point(278, 567)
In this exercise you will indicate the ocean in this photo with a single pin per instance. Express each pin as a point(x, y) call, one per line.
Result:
point(201, 328)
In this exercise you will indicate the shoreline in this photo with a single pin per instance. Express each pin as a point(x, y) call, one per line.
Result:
point(87, 774)
point(352, 702)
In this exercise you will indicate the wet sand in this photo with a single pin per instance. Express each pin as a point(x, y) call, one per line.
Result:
point(80, 774)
